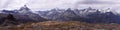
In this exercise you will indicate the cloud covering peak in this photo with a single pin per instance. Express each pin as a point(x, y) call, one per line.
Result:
point(50, 4)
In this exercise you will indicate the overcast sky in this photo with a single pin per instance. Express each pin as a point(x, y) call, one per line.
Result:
point(63, 4)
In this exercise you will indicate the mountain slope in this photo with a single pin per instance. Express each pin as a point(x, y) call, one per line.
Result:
point(23, 15)
point(85, 15)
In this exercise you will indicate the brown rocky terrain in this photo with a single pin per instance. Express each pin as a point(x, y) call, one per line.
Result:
point(60, 25)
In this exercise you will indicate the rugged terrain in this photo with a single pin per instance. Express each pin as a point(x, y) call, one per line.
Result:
point(60, 25)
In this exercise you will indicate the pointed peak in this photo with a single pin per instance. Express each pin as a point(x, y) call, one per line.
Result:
point(24, 8)
point(69, 9)
point(89, 8)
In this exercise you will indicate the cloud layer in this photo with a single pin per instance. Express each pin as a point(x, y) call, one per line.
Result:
point(50, 4)
point(11, 4)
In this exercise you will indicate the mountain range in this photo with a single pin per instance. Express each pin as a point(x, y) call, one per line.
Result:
point(90, 15)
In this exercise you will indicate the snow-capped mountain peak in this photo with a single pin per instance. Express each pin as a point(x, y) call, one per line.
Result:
point(24, 8)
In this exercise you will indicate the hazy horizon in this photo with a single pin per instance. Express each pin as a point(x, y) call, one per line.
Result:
point(62, 4)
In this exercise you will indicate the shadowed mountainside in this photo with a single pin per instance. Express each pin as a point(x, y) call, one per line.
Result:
point(16, 19)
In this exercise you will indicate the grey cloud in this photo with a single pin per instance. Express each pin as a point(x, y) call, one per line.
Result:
point(6, 3)
point(96, 2)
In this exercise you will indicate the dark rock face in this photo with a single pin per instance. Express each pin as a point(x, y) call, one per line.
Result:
point(15, 19)
point(9, 20)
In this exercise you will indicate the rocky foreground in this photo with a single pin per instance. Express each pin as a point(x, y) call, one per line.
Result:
point(60, 25)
